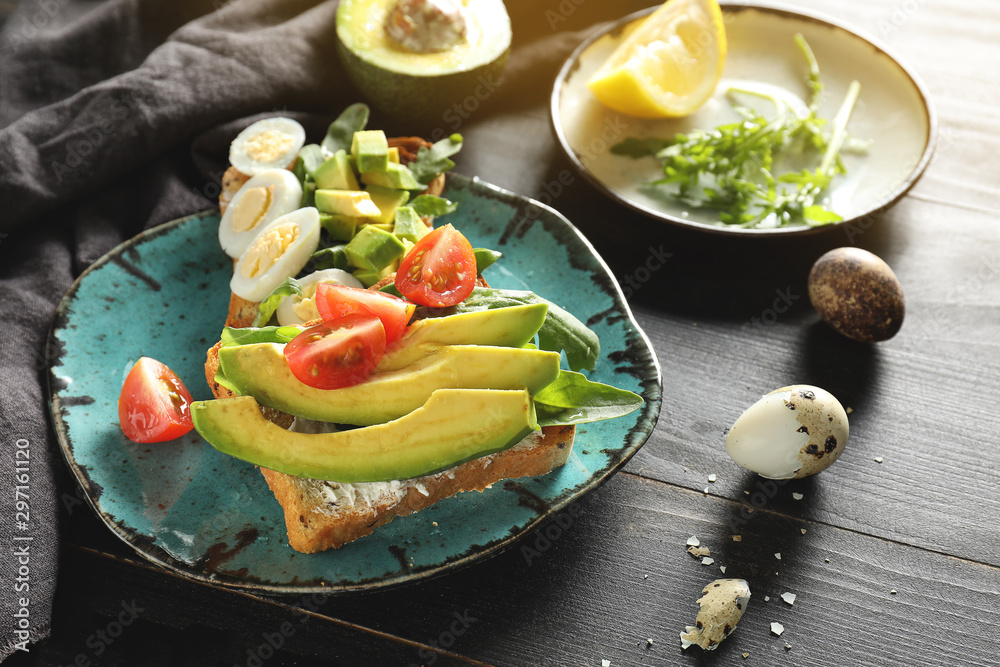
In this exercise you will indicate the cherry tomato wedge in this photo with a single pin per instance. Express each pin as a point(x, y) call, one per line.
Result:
point(331, 357)
point(439, 271)
point(154, 405)
point(336, 301)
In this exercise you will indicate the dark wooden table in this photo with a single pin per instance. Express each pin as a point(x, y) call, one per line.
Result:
point(893, 554)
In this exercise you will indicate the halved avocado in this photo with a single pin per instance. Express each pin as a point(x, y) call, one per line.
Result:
point(454, 426)
point(421, 88)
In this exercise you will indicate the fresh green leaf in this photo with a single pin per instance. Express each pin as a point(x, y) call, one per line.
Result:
point(308, 192)
point(634, 147)
point(573, 399)
point(221, 379)
point(290, 287)
point(334, 257)
point(251, 335)
point(340, 134)
point(435, 160)
point(310, 158)
point(424, 205)
point(560, 331)
point(485, 258)
point(820, 215)
point(391, 289)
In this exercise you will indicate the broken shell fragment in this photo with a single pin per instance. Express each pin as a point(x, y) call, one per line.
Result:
point(722, 605)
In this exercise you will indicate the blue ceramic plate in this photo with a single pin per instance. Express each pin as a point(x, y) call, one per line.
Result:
point(208, 516)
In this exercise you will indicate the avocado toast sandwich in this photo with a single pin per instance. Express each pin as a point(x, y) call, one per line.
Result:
point(366, 366)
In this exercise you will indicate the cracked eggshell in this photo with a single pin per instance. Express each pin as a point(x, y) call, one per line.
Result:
point(722, 605)
point(792, 432)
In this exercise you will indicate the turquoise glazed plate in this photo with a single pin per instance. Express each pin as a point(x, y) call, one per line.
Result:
point(211, 517)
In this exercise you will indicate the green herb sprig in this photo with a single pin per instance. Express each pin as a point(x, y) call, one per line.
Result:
point(732, 168)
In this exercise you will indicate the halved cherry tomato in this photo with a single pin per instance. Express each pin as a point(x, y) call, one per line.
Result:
point(154, 405)
point(336, 301)
point(440, 270)
point(331, 357)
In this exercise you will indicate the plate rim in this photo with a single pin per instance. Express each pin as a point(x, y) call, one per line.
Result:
point(891, 198)
point(649, 413)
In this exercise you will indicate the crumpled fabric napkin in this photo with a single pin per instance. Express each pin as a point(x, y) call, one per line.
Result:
point(99, 103)
point(115, 116)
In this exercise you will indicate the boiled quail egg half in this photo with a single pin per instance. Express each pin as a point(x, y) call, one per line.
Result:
point(295, 309)
point(271, 143)
point(791, 432)
point(263, 199)
point(278, 251)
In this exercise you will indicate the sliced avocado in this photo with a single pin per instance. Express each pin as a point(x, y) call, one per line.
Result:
point(423, 88)
point(370, 150)
point(373, 249)
point(455, 425)
point(336, 173)
point(355, 203)
point(395, 176)
point(409, 225)
point(514, 326)
point(387, 200)
point(339, 227)
point(261, 371)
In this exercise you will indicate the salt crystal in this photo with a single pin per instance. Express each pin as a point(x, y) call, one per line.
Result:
point(778, 556)
point(797, 496)
point(707, 560)
point(605, 663)
point(777, 628)
point(712, 477)
point(722, 568)
point(693, 541)
point(788, 597)
point(878, 459)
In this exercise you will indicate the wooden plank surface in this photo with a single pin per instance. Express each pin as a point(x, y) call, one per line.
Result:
point(596, 584)
point(613, 571)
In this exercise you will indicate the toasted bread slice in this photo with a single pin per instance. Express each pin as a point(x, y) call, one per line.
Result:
point(322, 515)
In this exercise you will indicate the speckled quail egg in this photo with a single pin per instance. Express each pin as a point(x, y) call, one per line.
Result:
point(790, 433)
point(722, 605)
point(278, 251)
point(263, 199)
point(295, 309)
point(271, 143)
point(857, 294)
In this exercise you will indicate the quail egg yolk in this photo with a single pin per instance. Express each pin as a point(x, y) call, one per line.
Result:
point(267, 146)
point(267, 249)
point(306, 308)
point(251, 207)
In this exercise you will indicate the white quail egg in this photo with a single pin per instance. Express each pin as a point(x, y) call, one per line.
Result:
point(296, 309)
point(280, 250)
point(792, 432)
point(271, 143)
point(264, 198)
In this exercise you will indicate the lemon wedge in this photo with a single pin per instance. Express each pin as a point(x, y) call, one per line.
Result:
point(668, 65)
